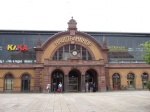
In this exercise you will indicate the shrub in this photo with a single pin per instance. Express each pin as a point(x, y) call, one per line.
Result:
point(148, 85)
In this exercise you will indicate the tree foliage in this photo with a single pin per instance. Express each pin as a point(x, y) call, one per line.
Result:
point(146, 53)
point(148, 85)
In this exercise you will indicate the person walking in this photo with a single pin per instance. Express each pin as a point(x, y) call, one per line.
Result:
point(54, 87)
point(60, 87)
point(48, 87)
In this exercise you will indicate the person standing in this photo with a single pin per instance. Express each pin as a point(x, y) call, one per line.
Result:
point(48, 87)
point(91, 87)
point(60, 86)
point(94, 87)
point(54, 87)
point(87, 87)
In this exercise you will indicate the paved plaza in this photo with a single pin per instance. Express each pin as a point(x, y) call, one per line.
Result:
point(116, 101)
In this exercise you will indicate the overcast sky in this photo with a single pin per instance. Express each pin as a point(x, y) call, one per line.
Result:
point(91, 15)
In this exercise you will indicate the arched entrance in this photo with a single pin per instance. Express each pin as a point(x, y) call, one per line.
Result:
point(130, 80)
point(25, 83)
point(91, 77)
point(8, 82)
point(57, 77)
point(144, 79)
point(74, 80)
point(116, 81)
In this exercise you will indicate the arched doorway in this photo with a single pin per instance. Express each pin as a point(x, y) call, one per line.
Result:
point(25, 83)
point(8, 82)
point(57, 77)
point(91, 77)
point(130, 80)
point(74, 80)
point(144, 79)
point(116, 81)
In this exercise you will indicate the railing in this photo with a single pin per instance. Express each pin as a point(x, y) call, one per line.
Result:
point(17, 61)
point(127, 61)
point(73, 62)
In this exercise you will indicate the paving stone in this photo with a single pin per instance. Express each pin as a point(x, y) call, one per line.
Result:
point(118, 101)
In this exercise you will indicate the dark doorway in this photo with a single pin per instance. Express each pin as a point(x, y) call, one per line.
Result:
point(91, 77)
point(25, 85)
point(116, 81)
point(144, 79)
point(130, 80)
point(57, 77)
point(74, 80)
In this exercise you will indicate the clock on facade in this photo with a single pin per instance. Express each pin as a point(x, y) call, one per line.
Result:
point(74, 53)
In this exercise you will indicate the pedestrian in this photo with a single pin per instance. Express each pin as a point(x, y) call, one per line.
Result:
point(87, 87)
point(54, 87)
point(60, 86)
point(94, 87)
point(91, 87)
point(48, 87)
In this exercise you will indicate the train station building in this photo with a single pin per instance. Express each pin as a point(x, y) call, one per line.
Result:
point(29, 60)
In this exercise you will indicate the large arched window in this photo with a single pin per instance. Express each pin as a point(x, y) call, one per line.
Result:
point(8, 82)
point(25, 86)
point(116, 81)
point(130, 80)
point(66, 51)
point(144, 78)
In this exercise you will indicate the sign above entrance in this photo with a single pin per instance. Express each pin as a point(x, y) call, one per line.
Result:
point(72, 39)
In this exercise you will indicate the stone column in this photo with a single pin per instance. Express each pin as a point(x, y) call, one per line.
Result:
point(37, 80)
point(103, 83)
point(46, 79)
point(83, 83)
point(66, 83)
point(99, 83)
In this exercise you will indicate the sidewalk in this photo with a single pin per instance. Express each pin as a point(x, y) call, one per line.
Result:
point(119, 101)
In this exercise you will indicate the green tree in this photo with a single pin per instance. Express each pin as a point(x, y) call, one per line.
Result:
point(146, 56)
point(148, 85)
point(146, 53)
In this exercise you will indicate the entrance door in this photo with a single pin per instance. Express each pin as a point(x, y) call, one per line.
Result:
point(130, 80)
point(25, 85)
point(91, 77)
point(57, 77)
point(74, 80)
point(116, 81)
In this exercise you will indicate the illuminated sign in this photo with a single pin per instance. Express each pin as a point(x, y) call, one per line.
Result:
point(12, 47)
point(72, 40)
point(117, 48)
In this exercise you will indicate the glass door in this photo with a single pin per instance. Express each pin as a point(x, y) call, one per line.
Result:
point(73, 83)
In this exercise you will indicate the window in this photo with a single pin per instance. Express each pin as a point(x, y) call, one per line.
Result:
point(64, 52)
point(8, 82)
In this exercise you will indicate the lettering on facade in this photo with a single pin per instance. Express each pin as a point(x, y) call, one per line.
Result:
point(72, 40)
point(12, 47)
point(117, 48)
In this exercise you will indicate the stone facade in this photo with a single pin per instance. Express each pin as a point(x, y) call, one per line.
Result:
point(47, 70)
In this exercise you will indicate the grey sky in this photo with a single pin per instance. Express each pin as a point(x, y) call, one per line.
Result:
point(91, 15)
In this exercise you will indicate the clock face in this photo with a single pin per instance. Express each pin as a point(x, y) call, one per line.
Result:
point(74, 53)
